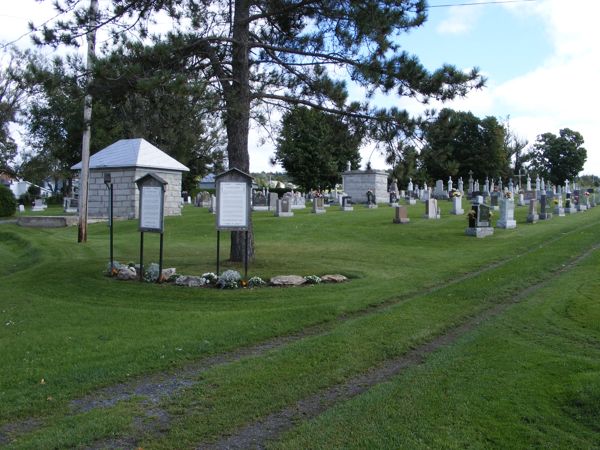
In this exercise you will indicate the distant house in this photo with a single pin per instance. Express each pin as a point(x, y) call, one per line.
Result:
point(128, 160)
point(208, 182)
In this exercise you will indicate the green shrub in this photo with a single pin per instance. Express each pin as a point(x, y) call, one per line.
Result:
point(8, 202)
point(55, 199)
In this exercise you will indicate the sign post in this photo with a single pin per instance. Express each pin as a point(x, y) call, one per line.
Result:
point(109, 185)
point(233, 207)
point(152, 212)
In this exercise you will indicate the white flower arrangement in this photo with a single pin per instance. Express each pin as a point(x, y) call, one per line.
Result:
point(312, 279)
point(229, 279)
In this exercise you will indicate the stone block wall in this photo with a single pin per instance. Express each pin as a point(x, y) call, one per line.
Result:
point(172, 193)
point(358, 182)
point(126, 197)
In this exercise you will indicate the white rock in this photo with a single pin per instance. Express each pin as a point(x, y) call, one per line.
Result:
point(287, 280)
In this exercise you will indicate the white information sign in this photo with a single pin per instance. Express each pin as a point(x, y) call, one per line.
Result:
point(151, 208)
point(232, 210)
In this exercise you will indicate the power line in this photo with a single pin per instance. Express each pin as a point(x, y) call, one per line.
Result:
point(492, 2)
point(33, 30)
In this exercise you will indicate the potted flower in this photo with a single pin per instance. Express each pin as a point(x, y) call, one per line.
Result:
point(472, 217)
point(508, 195)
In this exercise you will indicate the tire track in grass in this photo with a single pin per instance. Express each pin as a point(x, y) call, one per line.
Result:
point(163, 385)
point(259, 433)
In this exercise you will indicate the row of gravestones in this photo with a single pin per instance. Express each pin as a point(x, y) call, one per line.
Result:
point(479, 216)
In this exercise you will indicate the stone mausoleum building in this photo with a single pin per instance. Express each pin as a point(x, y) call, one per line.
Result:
point(126, 161)
point(357, 182)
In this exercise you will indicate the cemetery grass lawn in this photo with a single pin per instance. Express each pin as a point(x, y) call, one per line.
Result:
point(527, 379)
point(66, 330)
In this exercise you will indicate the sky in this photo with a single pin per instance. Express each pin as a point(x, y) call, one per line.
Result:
point(540, 58)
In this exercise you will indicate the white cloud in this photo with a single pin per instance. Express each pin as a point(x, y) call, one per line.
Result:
point(459, 20)
point(562, 92)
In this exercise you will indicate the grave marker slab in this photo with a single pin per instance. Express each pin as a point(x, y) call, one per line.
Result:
point(401, 215)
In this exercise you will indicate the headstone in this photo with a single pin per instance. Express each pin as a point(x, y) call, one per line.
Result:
point(559, 210)
point(259, 201)
point(410, 185)
point(298, 200)
point(431, 209)
point(494, 201)
point(401, 215)
point(521, 199)
point(533, 215)
point(284, 208)
point(507, 214)
point(486, 185)
point(38, 205)
point(213, 204)
point(479, 220)
point(346, 204)
point(273, 198)
point(21, 208)
point(318, 206)
point(476, 186)
point(545, 214)
point(457, 208)
point(439, 192)
point(393, 199)
point(71, 205)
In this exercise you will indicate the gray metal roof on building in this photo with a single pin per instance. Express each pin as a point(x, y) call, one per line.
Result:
point(133, 153)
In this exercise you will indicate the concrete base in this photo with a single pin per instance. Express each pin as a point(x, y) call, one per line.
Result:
point(533, 218)
point(401, 221)
point(411, 201)
point(260, 208)
point(582, 208)
point(319, 211)
point(47, 221)
point(437, 216)
point(284, 214)
point(479, 232)
point(393, 205)
point(298, 206)
point(571, 210)
point(372, 206)
point(545, 216)
point(506, 224)
point(347, 208)
point(559, 211)
point(458, 212)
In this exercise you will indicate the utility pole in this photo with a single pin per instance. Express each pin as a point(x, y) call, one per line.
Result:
point(87, 122)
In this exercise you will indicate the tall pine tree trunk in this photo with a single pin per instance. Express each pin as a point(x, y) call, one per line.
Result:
point(237, 119)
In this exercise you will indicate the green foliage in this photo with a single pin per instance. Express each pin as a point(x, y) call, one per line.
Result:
point(558, 158)
point(8, 203)
point(458, 142)
point(314, 148)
